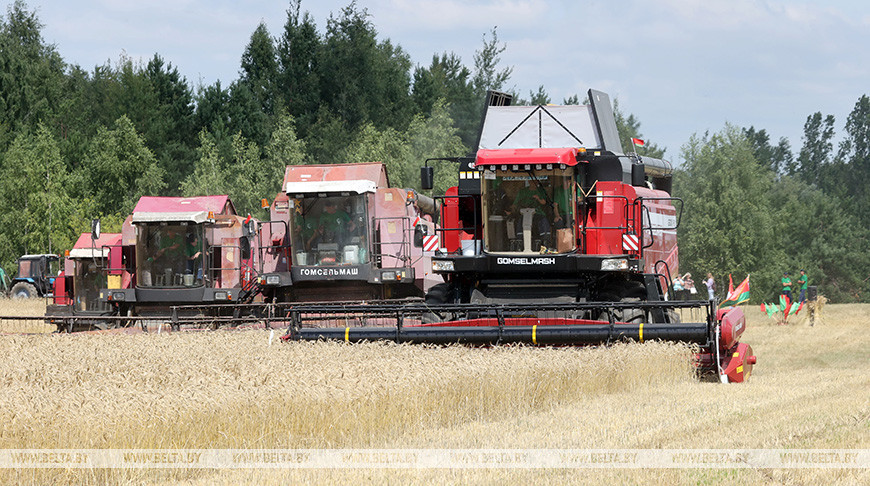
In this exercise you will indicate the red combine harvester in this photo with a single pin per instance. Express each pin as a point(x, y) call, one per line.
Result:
point(77, 287)
point(352, 237)
point(553, 236)
point(181, 251)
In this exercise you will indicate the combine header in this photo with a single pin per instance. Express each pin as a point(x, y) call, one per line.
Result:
point(553, 236)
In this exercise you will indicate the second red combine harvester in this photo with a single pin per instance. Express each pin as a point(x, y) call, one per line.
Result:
point(553, 236)
point(351, 236)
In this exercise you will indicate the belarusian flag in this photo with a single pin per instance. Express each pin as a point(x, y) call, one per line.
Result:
point(637, 141)
point(794, 308)
point(770, 309)
point(737, 295)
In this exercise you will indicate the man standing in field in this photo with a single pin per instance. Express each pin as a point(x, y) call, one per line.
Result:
point(786, 286)
point(802, 283)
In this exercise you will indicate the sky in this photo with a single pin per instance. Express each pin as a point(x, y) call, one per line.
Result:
point(682, 67)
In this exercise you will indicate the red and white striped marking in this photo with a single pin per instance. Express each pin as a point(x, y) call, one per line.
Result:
point(630, 243)
point(430, 243)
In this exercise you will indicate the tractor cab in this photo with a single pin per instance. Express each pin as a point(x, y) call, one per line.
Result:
point(528, 208)
point(36, 274)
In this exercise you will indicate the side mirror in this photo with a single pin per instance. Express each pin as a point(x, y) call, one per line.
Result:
point(420, 231)
point(245, 246)
point(638, 175)
point(95, 229)
point(427, 177)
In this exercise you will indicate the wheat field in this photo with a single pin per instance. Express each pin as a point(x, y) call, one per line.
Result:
point(236, 390)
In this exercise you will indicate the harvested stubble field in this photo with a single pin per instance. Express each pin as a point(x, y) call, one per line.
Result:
point(234, 390)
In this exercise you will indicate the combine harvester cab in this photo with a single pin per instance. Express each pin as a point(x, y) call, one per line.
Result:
point(351, 237)
point(77, 287)
point(554, 236)
point(178, 251)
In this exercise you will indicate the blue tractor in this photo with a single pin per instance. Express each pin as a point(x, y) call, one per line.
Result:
point(36, 274)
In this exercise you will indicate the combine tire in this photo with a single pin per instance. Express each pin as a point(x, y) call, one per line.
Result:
point(23, 290)
point(632, 292)
point(438, 295)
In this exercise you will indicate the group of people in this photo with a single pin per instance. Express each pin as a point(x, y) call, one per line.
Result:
point(684, 286)
point(801, 283)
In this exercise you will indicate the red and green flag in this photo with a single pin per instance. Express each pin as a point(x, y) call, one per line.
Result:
point(637, 141)
point(737, 295)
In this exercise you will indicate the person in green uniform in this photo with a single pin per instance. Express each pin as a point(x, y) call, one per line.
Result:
point(562, 207)
point(786, 285)
point(170, 244)
point(333, 223)
point(802, 283)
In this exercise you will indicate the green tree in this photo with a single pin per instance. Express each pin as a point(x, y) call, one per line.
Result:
point(328, 138)
point(405, 152)
point(209, 175)
point(778, 159)
point(540, 97)
point(119, 169)
point(729, 224)
point(815, 154)
point(853, 167)
point(448, 79)
point(285, 147)
point(260, 69)
point(36, 212)
point(298, 85)
point(169, 129)
point(363, 80)
point(628, 127)
point(487, 75)
point(817, 234)
point(31, 78)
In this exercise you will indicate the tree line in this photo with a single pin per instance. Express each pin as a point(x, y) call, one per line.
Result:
point(77, 144)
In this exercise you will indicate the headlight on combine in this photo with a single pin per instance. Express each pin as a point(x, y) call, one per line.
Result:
point(221, 296)
point(385, 276)
point(273, 279)
point(614, 264)
point(442, 265)
point(118, 296)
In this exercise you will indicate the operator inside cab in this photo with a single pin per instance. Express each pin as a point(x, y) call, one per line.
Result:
point(329, 230)
point(528, 211)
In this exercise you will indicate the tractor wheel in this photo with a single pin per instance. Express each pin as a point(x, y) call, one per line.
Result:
point(438, 295)
point(23, 290)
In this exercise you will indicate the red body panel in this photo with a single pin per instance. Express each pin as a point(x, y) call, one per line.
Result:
point(155, 204)
point(563, 156)
point(450, 219)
